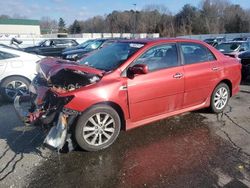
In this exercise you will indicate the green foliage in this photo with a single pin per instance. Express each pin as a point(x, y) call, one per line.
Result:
point(75, 28)
point(61, 26)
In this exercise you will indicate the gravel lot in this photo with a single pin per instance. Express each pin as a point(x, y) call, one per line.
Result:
point(196, 149)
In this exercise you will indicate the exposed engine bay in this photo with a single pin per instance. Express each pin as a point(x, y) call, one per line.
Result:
point(47, 104)
point(67, 80)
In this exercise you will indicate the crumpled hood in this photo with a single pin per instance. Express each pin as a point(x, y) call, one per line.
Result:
point(50, 66)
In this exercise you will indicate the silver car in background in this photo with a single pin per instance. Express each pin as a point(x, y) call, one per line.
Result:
point(17, 69)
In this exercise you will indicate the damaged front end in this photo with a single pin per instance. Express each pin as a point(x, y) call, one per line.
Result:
point(45, 105)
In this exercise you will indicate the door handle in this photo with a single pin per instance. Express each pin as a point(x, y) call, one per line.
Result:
point(178, 75)
point(215, 68)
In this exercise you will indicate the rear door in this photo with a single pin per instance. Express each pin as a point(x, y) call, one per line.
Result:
point(199, 67)
point(161, 89)
point(4, 57)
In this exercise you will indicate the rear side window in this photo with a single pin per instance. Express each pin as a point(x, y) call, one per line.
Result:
point(159, 57)
point(4, 55)
point(196, 53)
point(64, 43)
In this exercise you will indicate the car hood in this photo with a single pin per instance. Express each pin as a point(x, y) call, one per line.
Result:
point(245, 55)
point(72, 48)
point(51, 66)
point(76, 51)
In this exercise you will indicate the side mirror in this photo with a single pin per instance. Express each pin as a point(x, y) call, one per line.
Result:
point(137, 69)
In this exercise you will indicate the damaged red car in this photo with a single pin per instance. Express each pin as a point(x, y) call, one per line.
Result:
point(126, 85)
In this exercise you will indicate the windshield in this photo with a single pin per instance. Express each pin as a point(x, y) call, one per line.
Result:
point(112, 56)
point(93, 45)
point(209, 40)
point(228, 47)
point(41, 42)
point(84, 44)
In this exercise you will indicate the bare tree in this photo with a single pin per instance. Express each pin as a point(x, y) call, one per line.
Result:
point(48, 25)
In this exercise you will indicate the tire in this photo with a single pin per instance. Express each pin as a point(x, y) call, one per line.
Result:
point(13, 86)
point(93, 136)
point(220, 98)
point(244, 76)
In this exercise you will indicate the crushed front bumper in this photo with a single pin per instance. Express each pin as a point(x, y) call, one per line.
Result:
point(58, 134)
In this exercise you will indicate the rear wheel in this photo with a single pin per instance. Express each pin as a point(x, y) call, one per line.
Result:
point(220, 98)
point(97, 128)
point(14, 86)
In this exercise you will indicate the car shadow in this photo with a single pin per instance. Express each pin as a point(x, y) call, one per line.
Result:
point(2, 101)
point(168, 153)
point(16, 140)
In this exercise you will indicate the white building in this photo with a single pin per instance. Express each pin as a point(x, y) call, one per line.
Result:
point(19, 28)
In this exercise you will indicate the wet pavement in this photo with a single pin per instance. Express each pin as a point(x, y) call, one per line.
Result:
point(196, 149)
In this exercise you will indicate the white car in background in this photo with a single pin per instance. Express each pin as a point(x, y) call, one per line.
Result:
point(17, 69)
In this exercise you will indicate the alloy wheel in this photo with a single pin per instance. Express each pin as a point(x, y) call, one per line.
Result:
point(99, 129)
point(220, 98)
point(14, 88)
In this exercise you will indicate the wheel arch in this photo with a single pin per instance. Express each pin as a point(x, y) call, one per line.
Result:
point(228, 83)
point(16, 75)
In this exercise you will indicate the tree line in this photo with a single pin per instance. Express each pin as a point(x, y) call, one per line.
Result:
point(210, 17)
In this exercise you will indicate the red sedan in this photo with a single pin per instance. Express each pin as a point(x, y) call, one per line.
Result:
point(126, 85)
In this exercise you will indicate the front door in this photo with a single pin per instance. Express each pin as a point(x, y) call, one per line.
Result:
point(161, 89)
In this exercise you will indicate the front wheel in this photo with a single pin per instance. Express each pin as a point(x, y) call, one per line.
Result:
point(97, 128)
point(220, 98)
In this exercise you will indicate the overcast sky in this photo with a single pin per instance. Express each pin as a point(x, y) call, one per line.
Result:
point(83, 9)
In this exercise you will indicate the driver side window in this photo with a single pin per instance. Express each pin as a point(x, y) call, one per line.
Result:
point(159, 57)
point(46, 43)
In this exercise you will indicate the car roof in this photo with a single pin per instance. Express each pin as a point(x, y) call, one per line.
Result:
point(235, 41)
point(159, 40)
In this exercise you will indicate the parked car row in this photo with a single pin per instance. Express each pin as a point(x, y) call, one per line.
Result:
point(233, 48)
point(78, 52)
point(238, 48)
point(68, 48)
point(51, 47)
point(218, 40)
point(215, 41)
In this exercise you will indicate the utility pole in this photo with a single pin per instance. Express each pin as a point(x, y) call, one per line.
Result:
point(134, 25)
